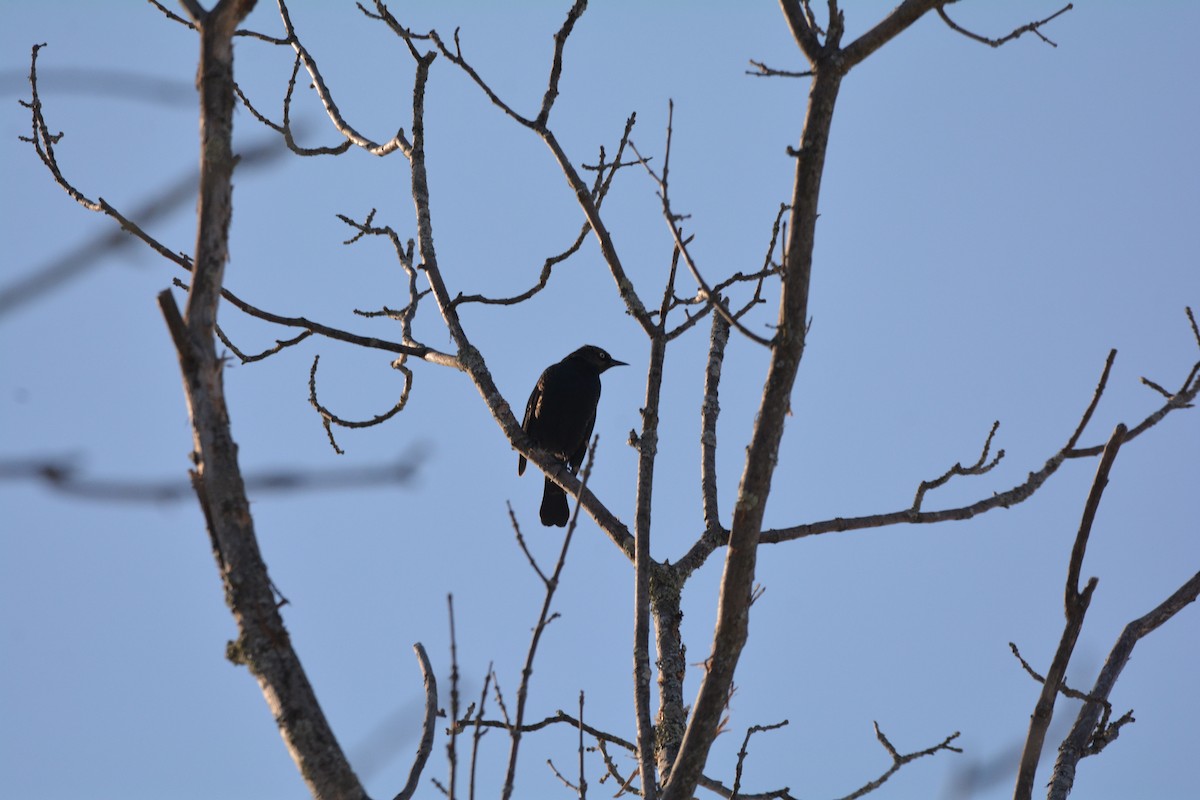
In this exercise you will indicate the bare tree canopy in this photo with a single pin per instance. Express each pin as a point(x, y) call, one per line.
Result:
point(908, 293)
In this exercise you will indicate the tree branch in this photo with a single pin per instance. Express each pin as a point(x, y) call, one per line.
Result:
point(647, 447)
point(1075, 606)
point(672, 219)
point(709, 410)
point(1031, 27)
point(263, 643)
point(1006, 499)
point(899, 761)
point(1089, 734)
point(729, 636)
point(633, 302)
point(469, 358)
point(891, 26)
point(397, 142)
point(428, 727)
point(544, 619)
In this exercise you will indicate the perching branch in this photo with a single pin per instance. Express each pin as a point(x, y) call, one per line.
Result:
point(468, 357)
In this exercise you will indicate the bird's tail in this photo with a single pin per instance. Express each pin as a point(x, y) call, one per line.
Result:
point(555, 511)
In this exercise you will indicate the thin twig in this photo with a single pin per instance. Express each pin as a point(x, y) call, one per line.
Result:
point(582, 774)
point(1006, 499)
point(605, 173)
point(677, 234)
point(1031, 27)
point(899, 761)
point(980, 467)
point(512, 517)
point(1087, 414)
point(544, 619)
point(478, 731)
point(761, 70)
point(427, 728)
point(741, 756)
point(328, 418)
point(452, 745)
point(559, 717)
point(397, 142)
point(1066, 690)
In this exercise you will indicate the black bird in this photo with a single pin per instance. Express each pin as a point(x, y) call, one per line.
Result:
point(559, 418)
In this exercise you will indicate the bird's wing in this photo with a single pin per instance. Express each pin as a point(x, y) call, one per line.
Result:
point(577, 457)
point(535, 397)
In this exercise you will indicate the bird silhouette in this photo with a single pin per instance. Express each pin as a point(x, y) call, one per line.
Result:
point(559, 418)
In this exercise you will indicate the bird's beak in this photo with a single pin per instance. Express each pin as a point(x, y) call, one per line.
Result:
point(616, 363)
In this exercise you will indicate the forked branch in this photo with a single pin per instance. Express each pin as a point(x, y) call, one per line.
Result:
point(899, 760)
point(1075, 607)
point(1091, 731)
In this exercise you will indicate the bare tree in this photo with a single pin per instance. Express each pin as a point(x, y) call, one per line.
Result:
point(673, 737)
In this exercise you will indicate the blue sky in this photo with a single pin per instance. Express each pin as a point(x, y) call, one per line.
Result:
point(992, 222)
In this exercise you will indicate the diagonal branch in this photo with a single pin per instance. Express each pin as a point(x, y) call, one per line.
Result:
point(803, 27)
point(605, 173)
point(583, 196)
point(1075, 606)
point(263, 644)
point(672, 219)
point(469, 359)
point(787, 349)
point(891, 26)
point(1089, 734)
point(397, 142)
point(560, 41)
